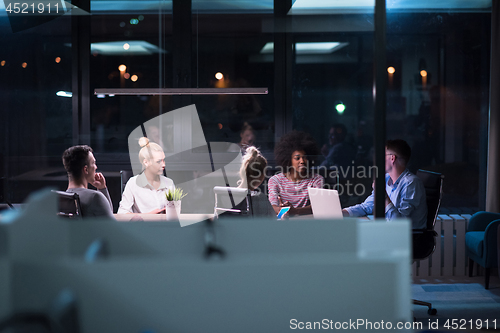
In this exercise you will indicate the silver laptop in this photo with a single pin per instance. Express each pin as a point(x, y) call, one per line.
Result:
point(325, 203)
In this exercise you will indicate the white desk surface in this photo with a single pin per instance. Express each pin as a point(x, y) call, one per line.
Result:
point(184, 218)
point(311, 217)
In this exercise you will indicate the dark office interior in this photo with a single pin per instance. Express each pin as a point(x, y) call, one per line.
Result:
point(318, 63)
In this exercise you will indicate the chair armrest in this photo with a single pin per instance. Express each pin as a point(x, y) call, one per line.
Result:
point(480, 220)
point(490, 243)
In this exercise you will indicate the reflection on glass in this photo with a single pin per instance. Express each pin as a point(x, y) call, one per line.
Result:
point(434, 98)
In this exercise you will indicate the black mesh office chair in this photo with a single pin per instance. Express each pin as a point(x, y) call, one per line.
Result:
point(69, 205)
point(424, 240)
point(125, 175)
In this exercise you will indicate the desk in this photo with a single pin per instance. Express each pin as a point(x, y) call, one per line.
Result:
point(185, 219)
point(270, 262)
point(311, 217)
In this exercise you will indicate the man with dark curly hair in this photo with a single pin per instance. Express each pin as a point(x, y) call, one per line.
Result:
point(289, 188)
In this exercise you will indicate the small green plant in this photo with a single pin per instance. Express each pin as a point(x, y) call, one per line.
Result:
point(175, 195)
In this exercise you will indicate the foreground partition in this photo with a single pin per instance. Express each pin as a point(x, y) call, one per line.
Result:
point(261, 275)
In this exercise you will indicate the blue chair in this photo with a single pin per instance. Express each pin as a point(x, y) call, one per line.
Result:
point(481, 242)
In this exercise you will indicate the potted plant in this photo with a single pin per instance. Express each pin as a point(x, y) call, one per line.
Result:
point(173, 207)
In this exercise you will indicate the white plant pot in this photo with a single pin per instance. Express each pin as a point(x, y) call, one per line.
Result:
point(173, 210)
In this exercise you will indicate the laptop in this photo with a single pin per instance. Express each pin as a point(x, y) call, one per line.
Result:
point(325, 203)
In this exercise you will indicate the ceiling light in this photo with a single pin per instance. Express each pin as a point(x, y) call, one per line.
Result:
point(64, 93)
point(340, 107)
point(309, 48)
point(181, 91)
point(135, 47)
point(326, 7)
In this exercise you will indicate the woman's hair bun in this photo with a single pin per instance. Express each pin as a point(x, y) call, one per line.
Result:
point(143, 142)
point(252, 151)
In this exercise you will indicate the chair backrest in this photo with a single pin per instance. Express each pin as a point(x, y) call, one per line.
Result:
point(433, 183)
point(125, 175)
point(69, 204)
point(424, 241)
point(228, 199)
point(2, 188)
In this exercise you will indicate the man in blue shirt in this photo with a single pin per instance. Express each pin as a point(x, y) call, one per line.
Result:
point(405, 192)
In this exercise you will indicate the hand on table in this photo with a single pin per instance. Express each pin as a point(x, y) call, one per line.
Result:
point(157, 211)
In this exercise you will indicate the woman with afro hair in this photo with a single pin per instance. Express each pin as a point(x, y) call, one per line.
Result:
point(289, 188)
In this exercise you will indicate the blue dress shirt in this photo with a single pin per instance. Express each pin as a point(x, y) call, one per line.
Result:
point(407, 195)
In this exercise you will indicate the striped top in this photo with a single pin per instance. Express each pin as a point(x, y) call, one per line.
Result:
point(295, 193)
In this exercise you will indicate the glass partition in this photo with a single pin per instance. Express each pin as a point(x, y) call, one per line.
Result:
point(437, 93)
point(333, 92)
point(131, 48)
point(438, 96)
point(36, 106)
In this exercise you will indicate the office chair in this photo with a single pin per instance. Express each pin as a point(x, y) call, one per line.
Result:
point(125, 175)
point(424, 240)
point(4, 203)
point(69, 204)
point(232, 197)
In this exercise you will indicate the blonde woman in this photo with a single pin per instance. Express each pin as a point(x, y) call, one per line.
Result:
point(145, 193)
point(252, 174)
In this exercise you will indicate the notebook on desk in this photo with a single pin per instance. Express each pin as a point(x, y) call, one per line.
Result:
point(325, 203)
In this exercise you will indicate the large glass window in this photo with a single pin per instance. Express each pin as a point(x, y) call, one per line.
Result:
point(131, 48)
point(228, 55)
point(333, 92)
point(437, 94)
point(36, 109)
